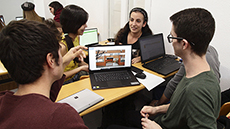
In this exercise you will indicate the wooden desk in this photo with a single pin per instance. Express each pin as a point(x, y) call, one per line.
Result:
point(3, 70)
point(110, 95)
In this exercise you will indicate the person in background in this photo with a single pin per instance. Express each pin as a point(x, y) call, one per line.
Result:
point(55, 8)
point(196, 100)
point(32, 58)
point(73, 20)
point(136, 28)
point(213, 61)
point(56, 27)
point(29, 13)
point(2, 24)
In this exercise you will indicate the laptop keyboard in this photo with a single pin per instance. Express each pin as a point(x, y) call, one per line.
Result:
point(112, 76)
point(160, 63)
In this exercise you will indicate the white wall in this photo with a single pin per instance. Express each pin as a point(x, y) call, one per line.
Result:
point(159, 13)
point(10, 9)
point(98, 14)
point(162, 10)
point(97, 10)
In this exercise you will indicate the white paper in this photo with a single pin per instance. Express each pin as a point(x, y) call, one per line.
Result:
point(151, 80)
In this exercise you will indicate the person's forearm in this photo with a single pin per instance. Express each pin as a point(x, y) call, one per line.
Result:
point(82, 63)
point(72, 72)
point(162, 108)
point(162, 100)
point(65, 62)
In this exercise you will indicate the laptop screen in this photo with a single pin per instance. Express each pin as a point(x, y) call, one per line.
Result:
point(89, 37)
point(19, 18)
point(2, 19)
point(107, 57)
point(152, 47)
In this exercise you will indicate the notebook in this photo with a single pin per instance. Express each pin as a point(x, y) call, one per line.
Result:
point(82, 100)
point(89, 37)
point(110, 66)
point(153, 55)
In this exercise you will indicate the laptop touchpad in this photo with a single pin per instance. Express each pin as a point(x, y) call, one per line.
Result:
point(114, 83)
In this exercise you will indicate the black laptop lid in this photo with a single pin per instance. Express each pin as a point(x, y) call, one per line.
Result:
point(107, 57)
point(152, 47)
point(89, 37)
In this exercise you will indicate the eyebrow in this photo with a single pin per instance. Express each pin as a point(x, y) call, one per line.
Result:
point(136, 19)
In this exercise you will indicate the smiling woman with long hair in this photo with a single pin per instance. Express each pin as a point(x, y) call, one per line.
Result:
point(134, 29)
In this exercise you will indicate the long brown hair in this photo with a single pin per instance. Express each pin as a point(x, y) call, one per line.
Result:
point(126, 28)
point(32, 16)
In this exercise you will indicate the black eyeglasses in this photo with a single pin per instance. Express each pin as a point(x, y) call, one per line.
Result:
point(170, 37)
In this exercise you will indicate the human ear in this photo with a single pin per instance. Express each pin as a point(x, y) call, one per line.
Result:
point(50, 60)
point(185, 44)
point(144, 24)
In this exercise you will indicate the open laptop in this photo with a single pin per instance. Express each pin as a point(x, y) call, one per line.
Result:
point(18, 18)
point(89, 37)
point(153, 55)
point(110, 66)
point(2, 19)
point(82, 100)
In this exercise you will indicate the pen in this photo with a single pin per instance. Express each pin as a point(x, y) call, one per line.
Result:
point(145, 115)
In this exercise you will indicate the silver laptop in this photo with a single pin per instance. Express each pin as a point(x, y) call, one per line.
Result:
point(89, 37)
point(110, 66)
point(82, 100)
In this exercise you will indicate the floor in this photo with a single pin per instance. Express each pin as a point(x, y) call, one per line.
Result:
point(93, 119)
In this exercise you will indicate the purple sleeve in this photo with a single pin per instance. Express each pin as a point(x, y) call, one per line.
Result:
point(55, 88)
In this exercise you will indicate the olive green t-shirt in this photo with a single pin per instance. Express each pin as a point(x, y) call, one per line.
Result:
point(195, 104)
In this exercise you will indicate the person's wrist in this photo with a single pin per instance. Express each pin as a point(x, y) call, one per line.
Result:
point(157, 109)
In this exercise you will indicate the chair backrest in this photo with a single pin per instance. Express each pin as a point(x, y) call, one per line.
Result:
point(225, 109)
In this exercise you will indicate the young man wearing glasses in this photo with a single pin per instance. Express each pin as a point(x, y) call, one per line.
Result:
point(196, 100)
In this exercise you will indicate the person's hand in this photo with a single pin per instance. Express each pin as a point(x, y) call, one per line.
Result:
point(136, 60)
point(85, 68)
point(73, 53)
point(148, 124)
point(148, 110)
